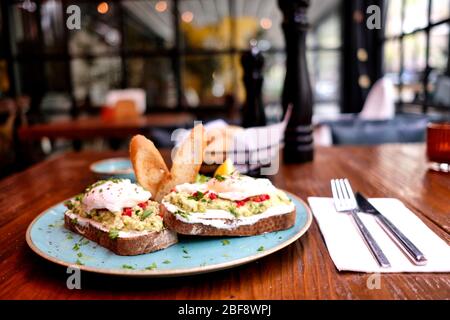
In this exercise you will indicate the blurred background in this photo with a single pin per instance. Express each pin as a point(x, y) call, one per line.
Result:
point(184, 55)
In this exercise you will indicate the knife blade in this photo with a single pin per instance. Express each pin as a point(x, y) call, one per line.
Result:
point(411, 251)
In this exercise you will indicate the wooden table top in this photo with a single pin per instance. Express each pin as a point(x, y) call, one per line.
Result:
point(95, 126)
point(303, 270)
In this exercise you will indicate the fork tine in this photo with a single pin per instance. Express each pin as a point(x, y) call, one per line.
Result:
point(349, 189)
point(344, 193)
point(338, 189)
point(334, 192)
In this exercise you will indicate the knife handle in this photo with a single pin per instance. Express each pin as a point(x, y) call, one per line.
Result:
point(404, 243)
point(371, 243)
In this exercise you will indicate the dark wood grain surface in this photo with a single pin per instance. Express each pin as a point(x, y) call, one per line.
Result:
point(95, 126)
point(303, 270)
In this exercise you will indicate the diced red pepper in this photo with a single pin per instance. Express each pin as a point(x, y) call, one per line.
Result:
point(143, 205)
point(260, 198)
point(127, 212)
point(240, 203)
point(212, 196)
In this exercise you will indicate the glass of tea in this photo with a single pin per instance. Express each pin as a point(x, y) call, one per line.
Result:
point(438, 146)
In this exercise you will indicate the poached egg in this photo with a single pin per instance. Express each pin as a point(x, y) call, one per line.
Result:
point(114, 196)
point(238, 188)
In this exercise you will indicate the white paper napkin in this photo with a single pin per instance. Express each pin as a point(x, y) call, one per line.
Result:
point(350, 253)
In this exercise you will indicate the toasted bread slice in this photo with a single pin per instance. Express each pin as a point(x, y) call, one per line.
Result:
point(269, 224)
point(187, 161)
point(148, 164)
point(131, 245)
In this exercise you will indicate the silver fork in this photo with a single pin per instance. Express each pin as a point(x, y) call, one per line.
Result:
point(344, 201)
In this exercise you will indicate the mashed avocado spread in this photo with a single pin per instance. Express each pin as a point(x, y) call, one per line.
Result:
point(142, 216)
point(200, 201)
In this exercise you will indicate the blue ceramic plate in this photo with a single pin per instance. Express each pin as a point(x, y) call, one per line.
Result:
point(47, 237)
point(113, 168)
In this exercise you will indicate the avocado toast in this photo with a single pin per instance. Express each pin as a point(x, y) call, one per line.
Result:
point(234, 205)
point(120, 216)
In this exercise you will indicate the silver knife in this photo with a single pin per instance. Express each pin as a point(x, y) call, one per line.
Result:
point(411, 251)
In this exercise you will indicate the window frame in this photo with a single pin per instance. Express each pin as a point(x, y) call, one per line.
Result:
point(424, 84)
point(175, 54)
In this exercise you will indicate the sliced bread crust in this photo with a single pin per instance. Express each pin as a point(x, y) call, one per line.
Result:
point(124, 246)
point(269, 224)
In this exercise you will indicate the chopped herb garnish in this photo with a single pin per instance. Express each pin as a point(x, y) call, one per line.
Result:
point(69, 237)
point(185, 251)
point(187, 257)
point(197, 196)
point(79, 254)
point(218, 177)
point(74, 221)
point(50, 225)
point(146, 214)
point(233, 211)
point(76, 247)
point(78, 262)
point(127, 266)
point(113, 233)
point(261, 248)
point(69, 205)
point(166, 261)
point(85, 242)
point(225, 242)
point(152, 266)
point(182, 213)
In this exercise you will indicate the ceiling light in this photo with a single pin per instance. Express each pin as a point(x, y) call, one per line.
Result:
point(161, 6)
point(265, 23)
point(102, 7)
point(187, 16)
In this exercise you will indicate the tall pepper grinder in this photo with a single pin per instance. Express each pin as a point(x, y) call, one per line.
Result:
point(253, 111)
point(297, 88)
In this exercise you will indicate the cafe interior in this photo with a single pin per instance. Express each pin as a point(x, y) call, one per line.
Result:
point(350, 92)
point(176, 61)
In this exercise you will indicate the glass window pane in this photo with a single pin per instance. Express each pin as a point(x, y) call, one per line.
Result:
point(414, 66)
point(414, 52)
point(260, 20)
point(324, 70)
point(415, 15)
point(274, 73)
point(100, 30)
point(93, 78)
point(148, 24)
point(52, 24)
point(392, 56)
point(205, 24)
point(439, 46)
point(327, 34)
point(155, 76)
point(394, 18)
point(207, 80)
point(440, 10)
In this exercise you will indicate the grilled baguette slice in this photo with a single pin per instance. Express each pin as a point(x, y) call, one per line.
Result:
point(140, 243)
point(269, 224)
